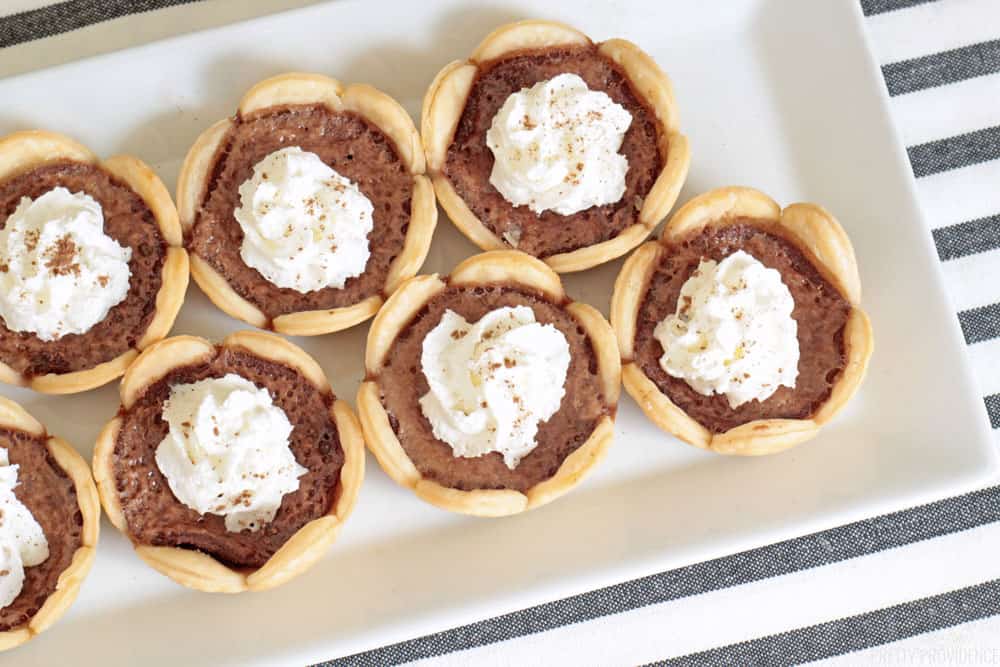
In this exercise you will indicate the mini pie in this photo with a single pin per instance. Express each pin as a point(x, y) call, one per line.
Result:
point(360, 132)
point(569, 443)
point(814, 257)
point(139, 215)
point(55, 485)
point(464, 98)
point(197, 550)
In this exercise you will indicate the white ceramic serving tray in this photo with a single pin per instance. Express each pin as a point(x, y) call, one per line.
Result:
point(779, 94)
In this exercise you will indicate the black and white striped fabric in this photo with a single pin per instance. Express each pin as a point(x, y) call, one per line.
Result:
point(920, 586)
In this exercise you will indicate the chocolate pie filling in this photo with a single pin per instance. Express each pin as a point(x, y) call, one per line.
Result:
point(346, 142)
point(402, 382)
point(130, 222)
point(48, 492)
point(470, 161)
point(820, 312)
point(155, 516)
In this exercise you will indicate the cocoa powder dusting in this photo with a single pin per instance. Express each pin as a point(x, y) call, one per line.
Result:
point(154, 516)
point(470, 161)
point(130, 222)
point(346, 142)
point(60, 259)
point(820, 313)
point(402, 382)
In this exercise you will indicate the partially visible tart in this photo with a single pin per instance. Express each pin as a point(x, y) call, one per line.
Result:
point(51, 519)
point(741, 329)
point(92, 268)
point(306, 209)
point(488, 391)
point(230, 467)
point(546, 142)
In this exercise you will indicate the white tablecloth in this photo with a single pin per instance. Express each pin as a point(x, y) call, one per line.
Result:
point(931, 600)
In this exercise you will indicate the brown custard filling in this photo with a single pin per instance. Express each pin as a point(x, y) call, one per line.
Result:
point(48, 493)
point(820, 313)
point(402, 382)
point(346, 142)
point(130, 222)
point(155, 516)
point(470, 161)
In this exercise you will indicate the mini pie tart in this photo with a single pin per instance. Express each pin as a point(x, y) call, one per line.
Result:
point(196, 550)
point(139, 214)
point(357, 130)
point(463, 99)
point(570, 443)
point(810, 249)
point(54, 483)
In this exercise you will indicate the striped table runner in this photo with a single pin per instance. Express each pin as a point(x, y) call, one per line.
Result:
point(917, 587)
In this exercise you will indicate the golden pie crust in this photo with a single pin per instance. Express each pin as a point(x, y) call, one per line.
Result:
point(814, 231)
point(22, 151)
point(302, 88)
point(509, 267)
point(14, 417)
point(445, 101)
point(196, 569)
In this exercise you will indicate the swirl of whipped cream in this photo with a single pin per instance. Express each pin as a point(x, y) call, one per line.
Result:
point(22, 541)
point(555, 147)
point(733, 331)
point(59, 272)
point(492, 382)
point(227, 451)
point(305, 227)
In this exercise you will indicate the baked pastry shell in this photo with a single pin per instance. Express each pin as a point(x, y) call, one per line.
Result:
point(815, 232)
point(445, 100)
point(509, 267)
point(23, 151)
point(14, 417)
point(196, 569)
point(303, 88)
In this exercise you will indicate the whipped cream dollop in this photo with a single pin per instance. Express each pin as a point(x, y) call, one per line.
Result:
point(733, 331)
point(22, 541)
point(59, 272)
point(555, 147)
point(492, 382)
point(227, 451)
point(305, 227)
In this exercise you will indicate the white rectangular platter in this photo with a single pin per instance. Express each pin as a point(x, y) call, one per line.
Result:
point(778, 94)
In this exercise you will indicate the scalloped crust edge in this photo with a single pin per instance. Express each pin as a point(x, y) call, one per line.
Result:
point(438, 119)
point(527, 34)
point(24, 150)
point(196, 569)
point(498, 266)
point(509, 266)
point(813, 229)
point(298, 88)
point(173, 289)
point(193, 177)
point(159, 359)
point(293, 88)
point(385, 446)
point(68, 584)
point(445, 100)
point(817, 233)
point(420, 233)
point(394, 315)
point(630, 286)
point(281, 351)
point(605, 347)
